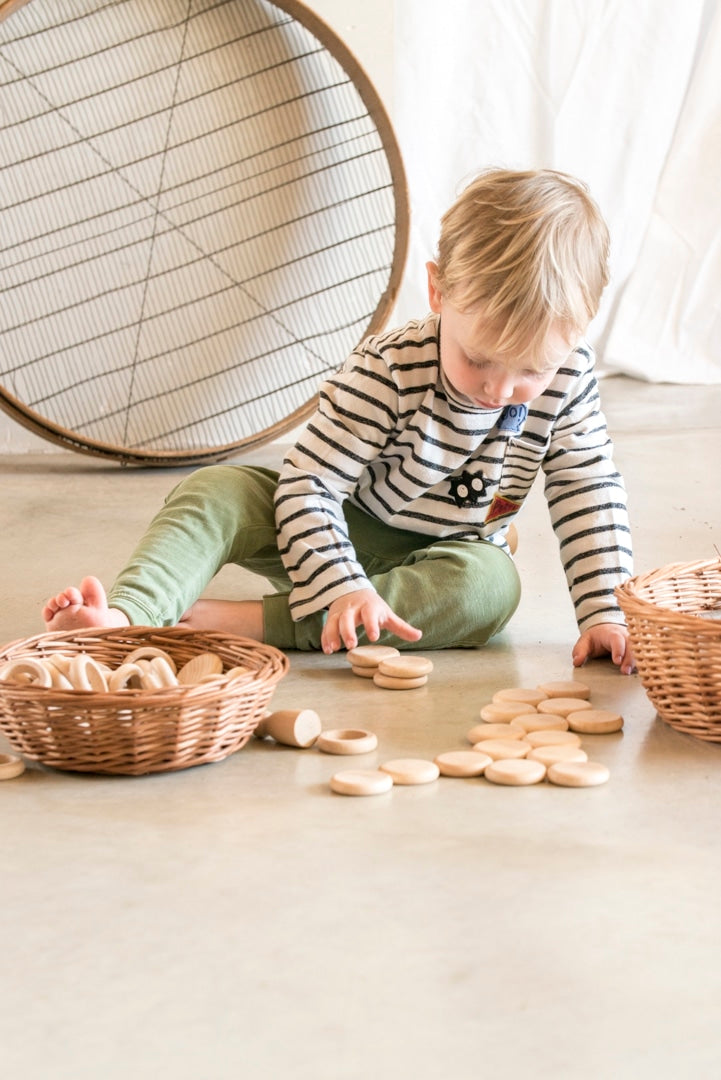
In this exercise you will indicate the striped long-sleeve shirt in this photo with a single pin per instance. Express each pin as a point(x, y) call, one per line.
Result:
point(392, 437)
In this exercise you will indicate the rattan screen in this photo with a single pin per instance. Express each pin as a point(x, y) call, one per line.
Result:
point(203, 211)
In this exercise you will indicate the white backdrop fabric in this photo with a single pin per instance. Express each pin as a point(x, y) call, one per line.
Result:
point(624, 94)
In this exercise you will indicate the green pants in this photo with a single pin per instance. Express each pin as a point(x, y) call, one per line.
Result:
point(459, 593)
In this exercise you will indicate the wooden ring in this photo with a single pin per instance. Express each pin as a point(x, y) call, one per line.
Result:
point(11, 765)
point(27, 672)
point(126, 677)
point(347, 741)
point(85, 674)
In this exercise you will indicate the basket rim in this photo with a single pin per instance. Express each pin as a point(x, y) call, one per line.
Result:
point(275, 661)
point(629, 597)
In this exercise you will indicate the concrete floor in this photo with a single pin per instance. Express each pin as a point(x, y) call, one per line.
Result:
point(239, 920)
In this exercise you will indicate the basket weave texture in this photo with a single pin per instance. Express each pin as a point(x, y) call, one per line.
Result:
point(674, 622)
point(135, 732)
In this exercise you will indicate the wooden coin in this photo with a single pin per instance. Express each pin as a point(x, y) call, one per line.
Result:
point(462, 762)
point(361, 782)
point(515, 773)
point(493, 731)
point(571, 688)
point(370, 655)
point(364, 672)
point(12, 765)
point(406, 667)
point(206, 663)
point(411, 770)
point(561, 706)
point(347, 741)
point(500, 712)
point(578, 773)
point(595, 721)
point(503, 748)
point(539, 722)
point(549, 755)
point(552, 738)
point(519, 693)
point(388, 682)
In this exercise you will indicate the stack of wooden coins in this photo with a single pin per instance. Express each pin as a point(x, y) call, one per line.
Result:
point(388, 668)
point(364, 659)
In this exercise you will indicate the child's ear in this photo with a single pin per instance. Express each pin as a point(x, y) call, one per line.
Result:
point(434, 293)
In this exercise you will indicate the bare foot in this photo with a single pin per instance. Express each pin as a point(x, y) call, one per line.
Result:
point(75, 609)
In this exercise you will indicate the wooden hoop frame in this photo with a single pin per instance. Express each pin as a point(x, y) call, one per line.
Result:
point(72, 440)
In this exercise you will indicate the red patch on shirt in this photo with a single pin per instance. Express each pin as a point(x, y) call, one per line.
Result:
point(501, 507)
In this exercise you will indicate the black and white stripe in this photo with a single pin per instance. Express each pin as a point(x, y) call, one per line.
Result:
point(389, 435)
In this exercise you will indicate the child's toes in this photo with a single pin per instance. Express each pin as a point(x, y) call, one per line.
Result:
point(69, 598)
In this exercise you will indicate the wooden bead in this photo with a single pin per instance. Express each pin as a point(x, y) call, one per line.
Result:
point(292, 727)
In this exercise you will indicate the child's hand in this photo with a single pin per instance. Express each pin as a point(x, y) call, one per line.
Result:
point(605, 638)
point(362, 608)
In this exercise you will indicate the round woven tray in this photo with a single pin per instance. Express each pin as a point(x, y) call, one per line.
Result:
point(134, 732)
point(674, 622)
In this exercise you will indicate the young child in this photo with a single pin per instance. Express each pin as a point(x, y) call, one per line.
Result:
point(391, 514)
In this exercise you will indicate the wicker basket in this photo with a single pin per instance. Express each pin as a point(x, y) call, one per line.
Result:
point(134, 732)
point(674, 622)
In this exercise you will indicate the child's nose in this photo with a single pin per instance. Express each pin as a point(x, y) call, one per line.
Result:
point(499, 386)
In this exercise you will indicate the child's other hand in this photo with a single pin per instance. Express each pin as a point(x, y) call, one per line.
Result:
point(362, 608)
point(605, 638)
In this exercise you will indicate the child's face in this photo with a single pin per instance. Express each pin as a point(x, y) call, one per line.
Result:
point(476, 370)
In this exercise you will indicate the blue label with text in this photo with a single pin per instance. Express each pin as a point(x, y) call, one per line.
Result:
point(513, 418)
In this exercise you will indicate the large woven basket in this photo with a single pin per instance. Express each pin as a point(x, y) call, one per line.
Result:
point(674, 622)
point(134, 732)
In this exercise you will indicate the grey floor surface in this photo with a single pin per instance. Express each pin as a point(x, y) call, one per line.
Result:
point(239, 920)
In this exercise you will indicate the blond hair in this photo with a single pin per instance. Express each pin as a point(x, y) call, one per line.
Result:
point(530, 249)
